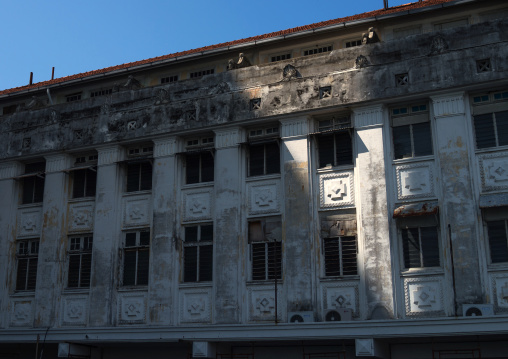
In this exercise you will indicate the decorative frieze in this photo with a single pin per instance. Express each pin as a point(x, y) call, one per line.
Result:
point(132, 308)
point(340, 295)
point(136, 211)
point(494, 171)
point(229, 137)
point(196, 305)
point(10, 170)
point(29, 222)
point(57, 163)
point(368, 116)
point(415, 181)
point(198, 205)
point(448, 105)
point(264, 197)
point(21, 313)
point(74, 309)
point(165, 147)
point(109, 155)
point(294, 127)
point(261, 301)
point(336, 190)
point(81, 216)
point(500, 290)
point(423, 296)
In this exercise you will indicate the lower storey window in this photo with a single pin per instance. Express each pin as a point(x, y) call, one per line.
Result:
point(198, 253)
point(136, 261)
point(266, 261)
point(80, 261)
point(27, 259)
point(420, 247)
point(498, 241)
point(340, 256)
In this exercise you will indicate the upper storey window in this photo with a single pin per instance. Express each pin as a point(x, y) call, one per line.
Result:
point(199, 160)
point(334, 141)
point(420, 242)
point(490, 116)
point(73, 97)
point(280, 57)
point(412, 136)
point(317, 50)
point(496, 223)
point(139, 169)
point(264, 151)
point(33, 182)
point(84, 176)
point(27, 258)
point(198, 74)
point(451, 24)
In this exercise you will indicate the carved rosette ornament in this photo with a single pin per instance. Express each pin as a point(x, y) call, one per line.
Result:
point(438, 45)
point(361, 62)
point(290, 72)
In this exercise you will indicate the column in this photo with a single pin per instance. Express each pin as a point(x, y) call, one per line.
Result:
point(163, 279)
point(298, 247)
point(8, 210)
point(228, 221)
point(52, 245)
point(373, 231)
point(459, 206)
point(106, 234)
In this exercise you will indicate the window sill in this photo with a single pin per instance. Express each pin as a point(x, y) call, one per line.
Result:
point(30, 205)
point(143, 288)
point(76, 290)
point(81, 199)
point(335, 168)
point(200, 185)
point(421, 271)
point(262, 177)
point(196, 285)
point(497, 267)
point(482, 151)
point(340, 278)
point(136, 193)
point(413, 159)
point(21, 293)
point(264, 282)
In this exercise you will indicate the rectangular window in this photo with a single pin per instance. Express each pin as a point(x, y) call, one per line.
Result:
point(264, 152)
point(80, 261)
point(168, 79)
point(136, 261)
point(99, 93)
point(317, 50)
point(139, 176)
point(33, 184)
point(266, 248)
point(411, 132)
point(340, 256)
point(198, 253)
point(84, 182)
point(334, 141)
point(353, 43)
point(73, 97)
point(490, 117)
point(198, 74)
point(498, 241)
point(7, 110)
point(199, 167)
point(280, 57)
point(451, 24)
point(420, 246)
point(27, 257)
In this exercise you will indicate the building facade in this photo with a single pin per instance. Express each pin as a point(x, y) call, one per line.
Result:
point(331, 191)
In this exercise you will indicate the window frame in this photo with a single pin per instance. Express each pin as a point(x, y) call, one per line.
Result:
point(85, 248)
point(137, 248)
point(261, 137)
point(201, 259)
point(30, 254)
point(340, 260)
point(488, 104)
point(414, 116)
point(265, 236)
point(138, 157)
point(338, 125)
point(491, 215)
point(33, 182)
point(199, 147)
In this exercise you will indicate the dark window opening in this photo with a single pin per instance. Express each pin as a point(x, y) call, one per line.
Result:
point(498, 241)
point(266, 248)
point(84, 183)
point(7, 110)
point(412, 140)
point(80, 261)
point(27, 260)
point(198, 253)
point(139, 176)
point(264, 159)
point(420, 247)
point(280, 57)
point(491, 129)
point(136, 261)
point(317, 50)
point(99, 93)
point(353, 43)
point(73, 97)
point(33, 186)
point(199, 167)
point(198, 74)
point(335, 149)
point(340, 256)
point(169, 79)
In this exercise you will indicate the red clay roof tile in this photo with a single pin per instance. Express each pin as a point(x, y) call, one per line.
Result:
point(370, 14)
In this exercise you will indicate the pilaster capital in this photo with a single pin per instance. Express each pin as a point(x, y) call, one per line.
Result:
point(293, 127)
point(10, 169)
point(164, 147)
point(369, 116)
point(58, 162)
point(110, 154)
point(229, 137)
point(448, 105)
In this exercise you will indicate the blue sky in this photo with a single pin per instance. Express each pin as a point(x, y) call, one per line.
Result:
point(87, 35)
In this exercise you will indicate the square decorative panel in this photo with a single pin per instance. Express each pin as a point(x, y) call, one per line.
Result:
point(338, 295)
point(494, 171)
point(29, 222)
point(131, 308)
point(264, 197)
point(424, 296)
point(196, 305)
point(81, 217)
point(336, 190)
point(500, 289)
point(415, 181)
point(136, 211)
point(22, 313)
point(261, 303)
point(197, 205)
point(74, 309)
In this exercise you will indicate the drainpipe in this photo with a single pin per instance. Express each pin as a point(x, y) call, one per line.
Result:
point(49, 97)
